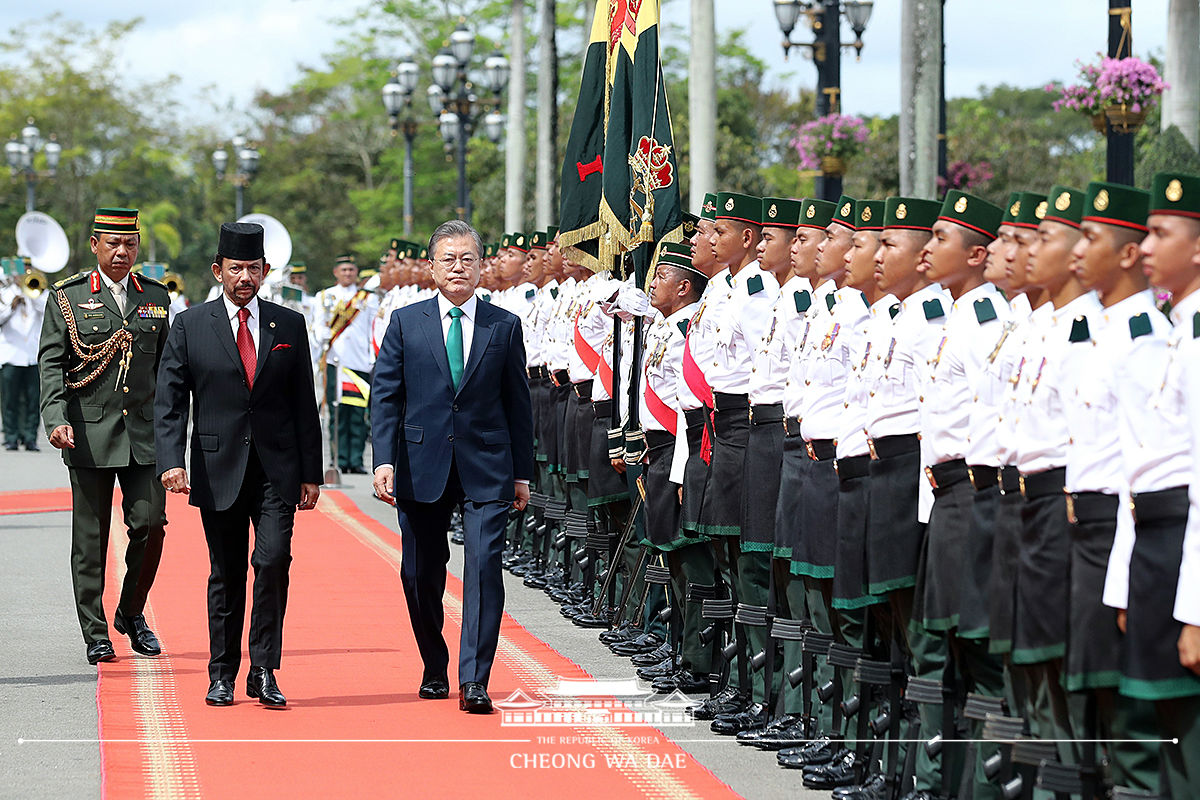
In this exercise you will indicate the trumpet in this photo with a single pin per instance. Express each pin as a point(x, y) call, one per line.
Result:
point(33, 283)
point(174, 284)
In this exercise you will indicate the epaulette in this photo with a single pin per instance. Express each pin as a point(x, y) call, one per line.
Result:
point(803, 300)
point(893, 310)
point(1139, 325)
point(554, 292)
point(529, 293)
point(984, 310)
point(754, 284)
point(148, 279)
point(830, 301)
point(933, 309)
point(78, 276)
point(683, 326)
point(1079, 330)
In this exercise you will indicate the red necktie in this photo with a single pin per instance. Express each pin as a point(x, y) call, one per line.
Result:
point(245, 345)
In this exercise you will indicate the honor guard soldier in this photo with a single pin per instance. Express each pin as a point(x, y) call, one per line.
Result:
point(1144, 580)
point(21, 314)
point(102, 337)
point(348, 314)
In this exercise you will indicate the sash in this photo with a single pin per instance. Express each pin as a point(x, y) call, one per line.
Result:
point(604, 370)
point(344, 314)
point(587, 354)
point(663, 413)
point(355, 390)
point(693, 376)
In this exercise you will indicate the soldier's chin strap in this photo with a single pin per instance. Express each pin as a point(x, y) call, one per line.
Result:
point(96, 357)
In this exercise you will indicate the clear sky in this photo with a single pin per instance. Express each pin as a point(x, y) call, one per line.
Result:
point(239, 46)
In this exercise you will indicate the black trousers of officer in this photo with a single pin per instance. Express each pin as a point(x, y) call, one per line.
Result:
point(227, 535)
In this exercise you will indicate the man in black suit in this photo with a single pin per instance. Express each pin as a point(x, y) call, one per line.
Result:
point(256, 452)
point(452, 423)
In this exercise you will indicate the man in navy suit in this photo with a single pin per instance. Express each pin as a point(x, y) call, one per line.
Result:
point(452, 423)
point(243, 364)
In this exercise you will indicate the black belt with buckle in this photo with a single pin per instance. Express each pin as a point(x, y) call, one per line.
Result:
point(1010, 480)
point(982, 476)
point(536, 372)
point(582, 389)
point(1040, 484)
point(892, 446)
point(791, 426)
point(560, 377)
point(694, 417)
point(821, 449)
point(1092, 507)
point(852, 467)
point(723, 401)
point(1161, 505)
point(602, 408)
point(765, 413)
point(947, 473)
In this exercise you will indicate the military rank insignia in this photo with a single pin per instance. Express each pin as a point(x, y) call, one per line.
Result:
point(1139, 325)
point(1079, 329)
point(933, 309)
point(91, 305)
point(803, 300)
point(754, 285)
point(984, 310)
point(151, 311)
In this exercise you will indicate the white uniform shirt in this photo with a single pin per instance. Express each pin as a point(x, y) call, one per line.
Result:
point(353, 348)
point(874, 337)
point(773, 355)
point(21, 328)
point(827, 364)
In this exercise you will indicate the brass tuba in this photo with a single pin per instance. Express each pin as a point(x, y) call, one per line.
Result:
point(33, 283)
point(174, 284)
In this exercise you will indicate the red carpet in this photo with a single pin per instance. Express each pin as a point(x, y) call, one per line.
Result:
point(35, 501)
point(354, 726)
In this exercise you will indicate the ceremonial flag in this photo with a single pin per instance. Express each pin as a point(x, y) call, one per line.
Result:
point(620, 183)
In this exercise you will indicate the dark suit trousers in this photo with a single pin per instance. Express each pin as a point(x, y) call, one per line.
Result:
point(227, 535)
point(143, 502)
point(426, 551)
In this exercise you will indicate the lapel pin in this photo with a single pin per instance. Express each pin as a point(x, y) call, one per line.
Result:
point(272, 324)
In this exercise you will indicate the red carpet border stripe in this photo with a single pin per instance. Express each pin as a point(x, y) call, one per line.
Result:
point(35, 501)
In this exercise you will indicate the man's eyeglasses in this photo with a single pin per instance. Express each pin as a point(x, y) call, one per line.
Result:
point(466, 260)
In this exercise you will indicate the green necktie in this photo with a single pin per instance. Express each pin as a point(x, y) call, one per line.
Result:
point(454, 346)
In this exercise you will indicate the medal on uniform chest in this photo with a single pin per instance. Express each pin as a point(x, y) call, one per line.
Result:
point(866, 356)
point(887, 362)
point(827, 342)
point(1015, 379)
point(1037, 378)
point(938, 358)
point(804, 341)
point(771, 333)
point(150, 311)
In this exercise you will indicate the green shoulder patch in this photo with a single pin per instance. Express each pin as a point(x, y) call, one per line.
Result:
point(554, 292)
point(729, 279)
point(529, 293)
point(830, 301)
point(984, 310)
point(683, 326)
point(754, 285)
point(893, 310)
point(803, 300)
point(1079, 330)
point(1139, 325)
point(933, 309)
point(487, 298)
point(1196, 325)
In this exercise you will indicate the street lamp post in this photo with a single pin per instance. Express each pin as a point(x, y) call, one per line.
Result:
point(246, 166)
point(458, 112)
point(824, 19)
point(397, 98)
point(20, 154)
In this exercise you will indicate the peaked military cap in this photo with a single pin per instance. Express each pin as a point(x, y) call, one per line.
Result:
point(910, 213)
point(344, 258)
point(115, 220)
point(678, 260)
point(739, 207)
point(1175, 193)
point(678, 248)
point(972, 212)
point(299, 268)
point(1116, 204)
point(816, 213)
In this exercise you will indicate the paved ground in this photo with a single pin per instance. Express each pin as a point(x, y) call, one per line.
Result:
point(47, 690)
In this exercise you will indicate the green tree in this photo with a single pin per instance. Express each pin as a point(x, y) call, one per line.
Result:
point(158, 227)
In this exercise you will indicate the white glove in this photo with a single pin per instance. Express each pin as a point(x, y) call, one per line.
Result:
point(631, 302)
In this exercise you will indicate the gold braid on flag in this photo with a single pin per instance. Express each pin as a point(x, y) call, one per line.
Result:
point(96, 357)
point(344, 313)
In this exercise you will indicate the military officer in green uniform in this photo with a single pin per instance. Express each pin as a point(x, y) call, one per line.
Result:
point(101, 340)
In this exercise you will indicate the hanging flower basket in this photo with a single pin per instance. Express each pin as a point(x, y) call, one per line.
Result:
point(1118, 91)
point(833, 165)
point(829, 142)
point(1123, 119)
point(1100, 122)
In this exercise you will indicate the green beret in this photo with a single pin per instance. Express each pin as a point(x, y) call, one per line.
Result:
point(844, 211)
point(505, 240)
point(1064, 205)
point(551, 233)
point(972, 212)
point(689, 225)
point(709, 209)
point(868, 215)
point(1116, 204)
point(396, 244)
point(1026, 209)
point(910, 213)
point(1175, 193)
point(412, 250)
point(423, 253)
point(816, 213)
point(519, 241)
point(780, 212)
point(538, 240)
point(489, 250)
point(739, 207)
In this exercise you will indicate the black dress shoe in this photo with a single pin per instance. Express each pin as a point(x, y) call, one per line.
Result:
point(260, 683)
point(32, 447)
point(795, 735)
point(727, 701)
point(818, 751)
point(873, 788)
point(100, 650)
point(774, 726)
point(220, 693)
point(838, 772)
point(359, 470)
point(11, 446)
point(755, 716)
point(141, 638)
point(435, 688)
point(473, 698)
